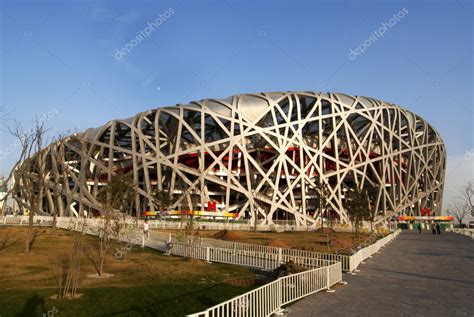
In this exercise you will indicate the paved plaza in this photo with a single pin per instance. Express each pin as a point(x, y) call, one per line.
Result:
point(416, 275)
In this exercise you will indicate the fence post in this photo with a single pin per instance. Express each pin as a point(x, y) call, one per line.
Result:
point(280, 293)
point(327, 277)
point(208, 255)
point(279, 256)
point(328, 281)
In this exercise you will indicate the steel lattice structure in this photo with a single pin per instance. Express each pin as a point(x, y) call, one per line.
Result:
point(255, 154)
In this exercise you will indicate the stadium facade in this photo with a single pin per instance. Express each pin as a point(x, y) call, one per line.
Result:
point(250, 154)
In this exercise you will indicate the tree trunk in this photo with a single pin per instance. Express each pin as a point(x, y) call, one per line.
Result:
point(29, 232)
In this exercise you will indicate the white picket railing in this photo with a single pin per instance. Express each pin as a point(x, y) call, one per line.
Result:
point(265, 261)
point(464, 231)
point(271, 297)
point(365, 253)
point(39, 221)
point(283, 255)
point(349, 262)
point(244, 225)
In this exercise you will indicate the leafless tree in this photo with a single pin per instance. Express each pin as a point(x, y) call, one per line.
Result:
point(7, 241)
point(463, 205)
point(27, 173)
point(115, 196)
point(24, 141)
point(67, 271)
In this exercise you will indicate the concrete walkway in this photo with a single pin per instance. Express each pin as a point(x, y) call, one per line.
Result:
point(416, 275)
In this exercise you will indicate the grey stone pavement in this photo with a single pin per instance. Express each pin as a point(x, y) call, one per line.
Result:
point(415, 275)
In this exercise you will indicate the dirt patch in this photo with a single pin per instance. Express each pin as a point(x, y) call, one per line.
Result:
point(226, 235)
point(341, 244)
point(277, 244)
point(325, 231)
point(317, 241)
point(305, 248)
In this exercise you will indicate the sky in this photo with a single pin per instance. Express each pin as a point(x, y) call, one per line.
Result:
point(79, 64)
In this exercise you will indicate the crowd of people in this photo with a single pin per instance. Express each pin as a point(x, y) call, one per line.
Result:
point(435, 228)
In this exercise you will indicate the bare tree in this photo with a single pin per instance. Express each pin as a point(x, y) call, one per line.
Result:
point(463, 205)
point(24, 140)
point(28, 172)
point(7, 241)
point(117, 195)
point(67, 271)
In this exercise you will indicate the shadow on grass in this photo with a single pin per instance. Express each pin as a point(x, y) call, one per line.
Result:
point(36, 233)
point(7, 241)
point(166, 307)
point(33, 307)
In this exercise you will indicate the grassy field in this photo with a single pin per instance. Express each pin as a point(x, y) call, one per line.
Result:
point(145, 282)
point(335, 242)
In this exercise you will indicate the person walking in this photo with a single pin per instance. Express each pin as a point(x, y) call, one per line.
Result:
point(433, 228)
point(419, 228)
point(438, 228)
point(146, 232)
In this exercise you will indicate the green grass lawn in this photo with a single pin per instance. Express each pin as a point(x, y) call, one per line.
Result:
point(145, 282)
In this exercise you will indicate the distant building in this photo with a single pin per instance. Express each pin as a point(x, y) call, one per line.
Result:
point(3, 190)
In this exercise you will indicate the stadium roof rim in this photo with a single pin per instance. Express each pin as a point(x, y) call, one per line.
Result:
point(253, 105)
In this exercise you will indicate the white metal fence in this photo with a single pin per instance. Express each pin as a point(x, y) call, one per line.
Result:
point(282, 254)
point(269, 298)
point(464, 231)
point(262, 260)
point(39, 221)
point(279, 225)
point(267, 253)
point(349, 262)
point(365, 253)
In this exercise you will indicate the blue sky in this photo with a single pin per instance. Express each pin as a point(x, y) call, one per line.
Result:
point(60, 55)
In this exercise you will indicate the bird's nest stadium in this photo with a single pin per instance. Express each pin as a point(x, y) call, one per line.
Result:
point(254, 155)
